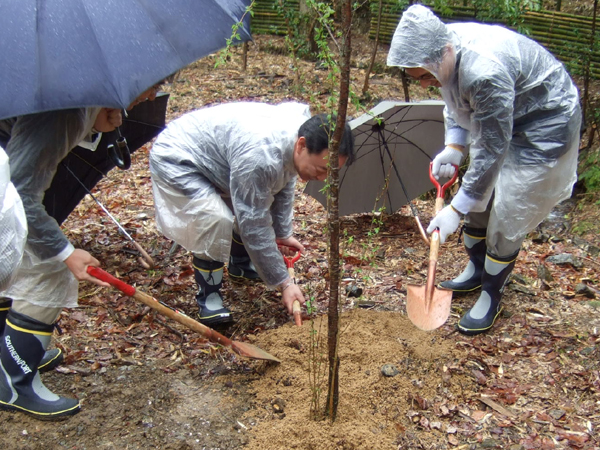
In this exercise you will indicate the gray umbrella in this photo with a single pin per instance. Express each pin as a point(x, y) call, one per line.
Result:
point(59, 54)
point(394, 144)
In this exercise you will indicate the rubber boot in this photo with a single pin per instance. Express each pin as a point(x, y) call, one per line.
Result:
point(240, 266)
point(52, 358)
point(209, 276)
point(470, 279)
point(21, 389)
point(482, 316)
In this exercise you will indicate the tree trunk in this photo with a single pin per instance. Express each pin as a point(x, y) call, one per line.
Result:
point(372, 63)
point(292, 47)
point(586, 73)
point(244, 56)
point(334, 220)
point(405, 85)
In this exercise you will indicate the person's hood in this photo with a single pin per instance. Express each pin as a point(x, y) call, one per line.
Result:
point(420, 40)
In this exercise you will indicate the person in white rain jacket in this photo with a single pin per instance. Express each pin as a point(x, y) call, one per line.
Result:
point(238, 160)
point(46, 279)
point(13, 228)
point(515, 108)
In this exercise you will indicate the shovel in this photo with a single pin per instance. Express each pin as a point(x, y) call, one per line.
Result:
point(296, 308)
point(241, 348)
point(427, 306)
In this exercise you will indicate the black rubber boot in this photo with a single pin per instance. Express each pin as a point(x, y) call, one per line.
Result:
point(21, 389)
point(483, 314)
point(240, 266)
point(209, 276)
point(52, 358)
point(470, 279)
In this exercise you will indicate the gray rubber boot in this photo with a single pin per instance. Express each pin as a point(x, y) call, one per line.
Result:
point(209, 276)
point(52, 358)
point(23, 345)
point(470, 279)
point(240, 267)
point(483, 314)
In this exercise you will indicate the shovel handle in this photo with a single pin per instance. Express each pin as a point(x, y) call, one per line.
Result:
point(296, 308)
point(441, 188)
point(289, 260)
point(297, 312)
point(150, 301)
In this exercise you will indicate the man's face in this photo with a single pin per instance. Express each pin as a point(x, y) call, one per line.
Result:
point(312, 166)
point(148, 94)
point(423, 76)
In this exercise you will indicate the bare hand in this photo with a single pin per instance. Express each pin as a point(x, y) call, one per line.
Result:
point(291, 293)
point(108, 119)
point(78, 263)
point(289, 242)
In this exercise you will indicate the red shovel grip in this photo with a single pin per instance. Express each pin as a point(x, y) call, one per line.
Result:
point(114, 282)
point(441, 189)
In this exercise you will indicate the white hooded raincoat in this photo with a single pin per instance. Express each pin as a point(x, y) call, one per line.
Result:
point(512, 101)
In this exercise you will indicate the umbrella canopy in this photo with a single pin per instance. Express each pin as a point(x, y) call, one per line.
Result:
point(59, 54)
point(143, 123)
point(394, 144)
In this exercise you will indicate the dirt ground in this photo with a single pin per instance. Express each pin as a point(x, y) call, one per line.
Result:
point(147, 382)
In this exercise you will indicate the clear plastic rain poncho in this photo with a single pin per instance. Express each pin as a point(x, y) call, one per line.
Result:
point(13, 225)
point(512, 101)
point(37, 144)
point(241, 151)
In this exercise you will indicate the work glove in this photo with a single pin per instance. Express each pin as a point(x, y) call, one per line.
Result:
point(444, 162)
point(447, 220)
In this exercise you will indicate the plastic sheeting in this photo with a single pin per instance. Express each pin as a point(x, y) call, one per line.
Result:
point(37, 143)
point(511, 100)
point(242, 152)
point(13, 225)
point(47, 283)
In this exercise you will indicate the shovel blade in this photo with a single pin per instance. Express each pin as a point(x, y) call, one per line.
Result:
point(252, 351)
point(428, 314)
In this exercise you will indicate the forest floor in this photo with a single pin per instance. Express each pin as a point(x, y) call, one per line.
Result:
point(532, 382)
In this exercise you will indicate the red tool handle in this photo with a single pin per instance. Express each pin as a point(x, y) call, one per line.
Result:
point(296, 308)
point(150, 301)
point(441, 189)
point(108, 278)
point(290, 260)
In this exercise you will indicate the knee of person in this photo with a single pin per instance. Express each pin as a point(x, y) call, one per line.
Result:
point(47, 315)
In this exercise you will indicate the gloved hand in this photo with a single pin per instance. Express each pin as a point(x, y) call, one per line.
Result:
point(444, 162)
point(447, 220)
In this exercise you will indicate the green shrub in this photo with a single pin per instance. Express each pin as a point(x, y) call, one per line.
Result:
point(589, 171)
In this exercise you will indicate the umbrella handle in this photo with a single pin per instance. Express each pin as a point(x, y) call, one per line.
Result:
point(120, 153)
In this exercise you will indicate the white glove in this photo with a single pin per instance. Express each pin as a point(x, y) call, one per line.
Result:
point(444, 162)
point(447, 220)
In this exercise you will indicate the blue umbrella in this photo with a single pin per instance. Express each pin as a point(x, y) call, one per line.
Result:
point(58, 54)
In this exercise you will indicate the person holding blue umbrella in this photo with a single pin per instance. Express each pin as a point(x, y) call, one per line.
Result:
point(515, 108)
point(46, 280)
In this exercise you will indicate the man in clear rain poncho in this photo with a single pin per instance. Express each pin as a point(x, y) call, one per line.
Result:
point(238, 160)
point(517, 110)
point(13, 229)
point(46, 280)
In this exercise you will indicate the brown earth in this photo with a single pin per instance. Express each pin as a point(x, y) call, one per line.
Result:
point(146, 382)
